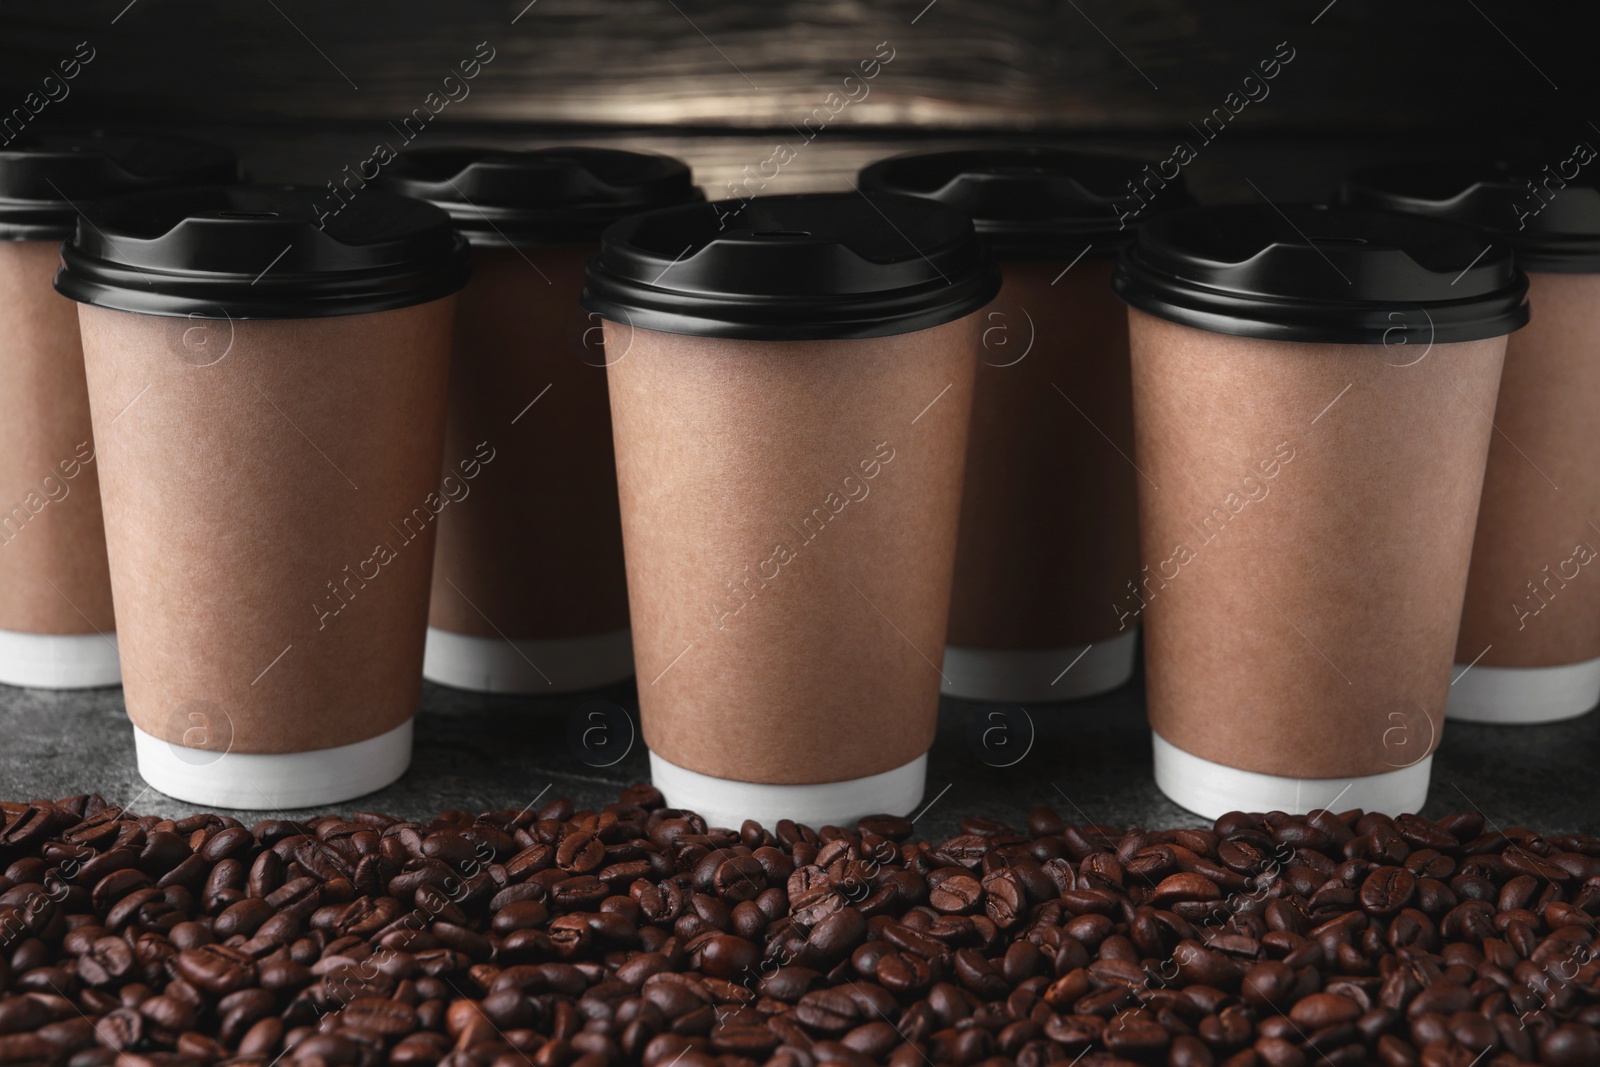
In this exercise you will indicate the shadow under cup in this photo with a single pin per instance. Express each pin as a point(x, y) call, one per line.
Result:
point(790, 396)
point(270, 469)
point(1313, 404)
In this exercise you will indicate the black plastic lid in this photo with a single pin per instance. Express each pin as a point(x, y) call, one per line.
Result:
point(47, 178)
point(790, 268)
point(1551, 220)
point(257, 252)
point(542, 196)
point(1035, 203)
point(1295, 272)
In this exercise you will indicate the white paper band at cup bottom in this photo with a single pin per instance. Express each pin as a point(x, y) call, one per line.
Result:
point(724, 802)
point(1213, 789)
point(256, 781)
point(1039, 675)
point(1524, 695)
point(496, 665)
point(59, 661)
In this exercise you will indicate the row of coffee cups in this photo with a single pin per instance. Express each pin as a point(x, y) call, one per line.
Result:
point(769, 442)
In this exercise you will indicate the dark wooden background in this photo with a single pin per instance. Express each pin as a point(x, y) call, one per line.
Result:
point(306, 86)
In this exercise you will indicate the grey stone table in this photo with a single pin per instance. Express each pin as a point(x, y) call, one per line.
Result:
point(1090, 760)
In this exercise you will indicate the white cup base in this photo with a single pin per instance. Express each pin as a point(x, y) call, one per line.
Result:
point(1524, 695)
point(1212, 789)
point(1039, 675)
point(496, 665)
point(59, 661)
point(723, 802)
point(257, 781)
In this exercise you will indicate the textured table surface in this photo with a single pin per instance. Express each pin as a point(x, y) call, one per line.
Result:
point(1090, 760)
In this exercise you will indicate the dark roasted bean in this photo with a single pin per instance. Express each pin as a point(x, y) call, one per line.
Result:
point(638, 934)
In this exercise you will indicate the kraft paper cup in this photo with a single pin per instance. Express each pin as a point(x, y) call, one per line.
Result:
point(56, 625)
point(270, 469)
point(790, 389)
point(1049, 520)
point(1313, 402)
point(57, 629)
point(1529, 647)
point(529, 591)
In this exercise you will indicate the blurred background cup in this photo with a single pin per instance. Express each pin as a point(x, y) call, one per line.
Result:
point(267, 369)
point(529, 590)
point(791, 423)
point(1529, 648)
point(56, 621)
point(1313, 395)
point(1049, 521)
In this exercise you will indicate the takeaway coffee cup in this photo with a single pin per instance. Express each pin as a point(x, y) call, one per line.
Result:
point(1529, 647)
point(529, 592)
point(56, 624)
point(791, 381)
point(1313, 393)
point(1049, 518)
point(267, 382)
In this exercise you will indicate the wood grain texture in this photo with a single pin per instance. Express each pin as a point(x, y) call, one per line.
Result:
point(963, 64)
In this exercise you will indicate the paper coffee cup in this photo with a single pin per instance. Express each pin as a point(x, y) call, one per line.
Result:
point(56, 625)
point(1049, 520)
point(790, 387)
point(1313, 396)
point(266, 376)
point(1529, 647)
point(529, 591)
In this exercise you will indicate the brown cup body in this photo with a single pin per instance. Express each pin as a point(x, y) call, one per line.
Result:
point(1305, 535)
point(54, 578)
point(1533, 595)
point(535, 552)
point(269, 517)
point(1049, 515)
point(789, 510)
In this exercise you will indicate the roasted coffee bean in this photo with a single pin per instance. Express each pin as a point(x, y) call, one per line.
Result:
point(216, 968)
point(828, 1011)
point(1324, 1009)
point(728, 956)
point(1387, 889)
point(956, 895)
point(1184, 887)
point(639, 934)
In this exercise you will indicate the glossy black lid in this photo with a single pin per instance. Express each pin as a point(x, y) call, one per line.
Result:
point(540, 196)
point(47, 178)
point(1035, 203)
point(783, 268)
point(1550, 212)
point(1295, 272)
point(257, 252)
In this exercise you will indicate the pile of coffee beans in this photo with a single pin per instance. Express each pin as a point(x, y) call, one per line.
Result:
point(637, 934)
